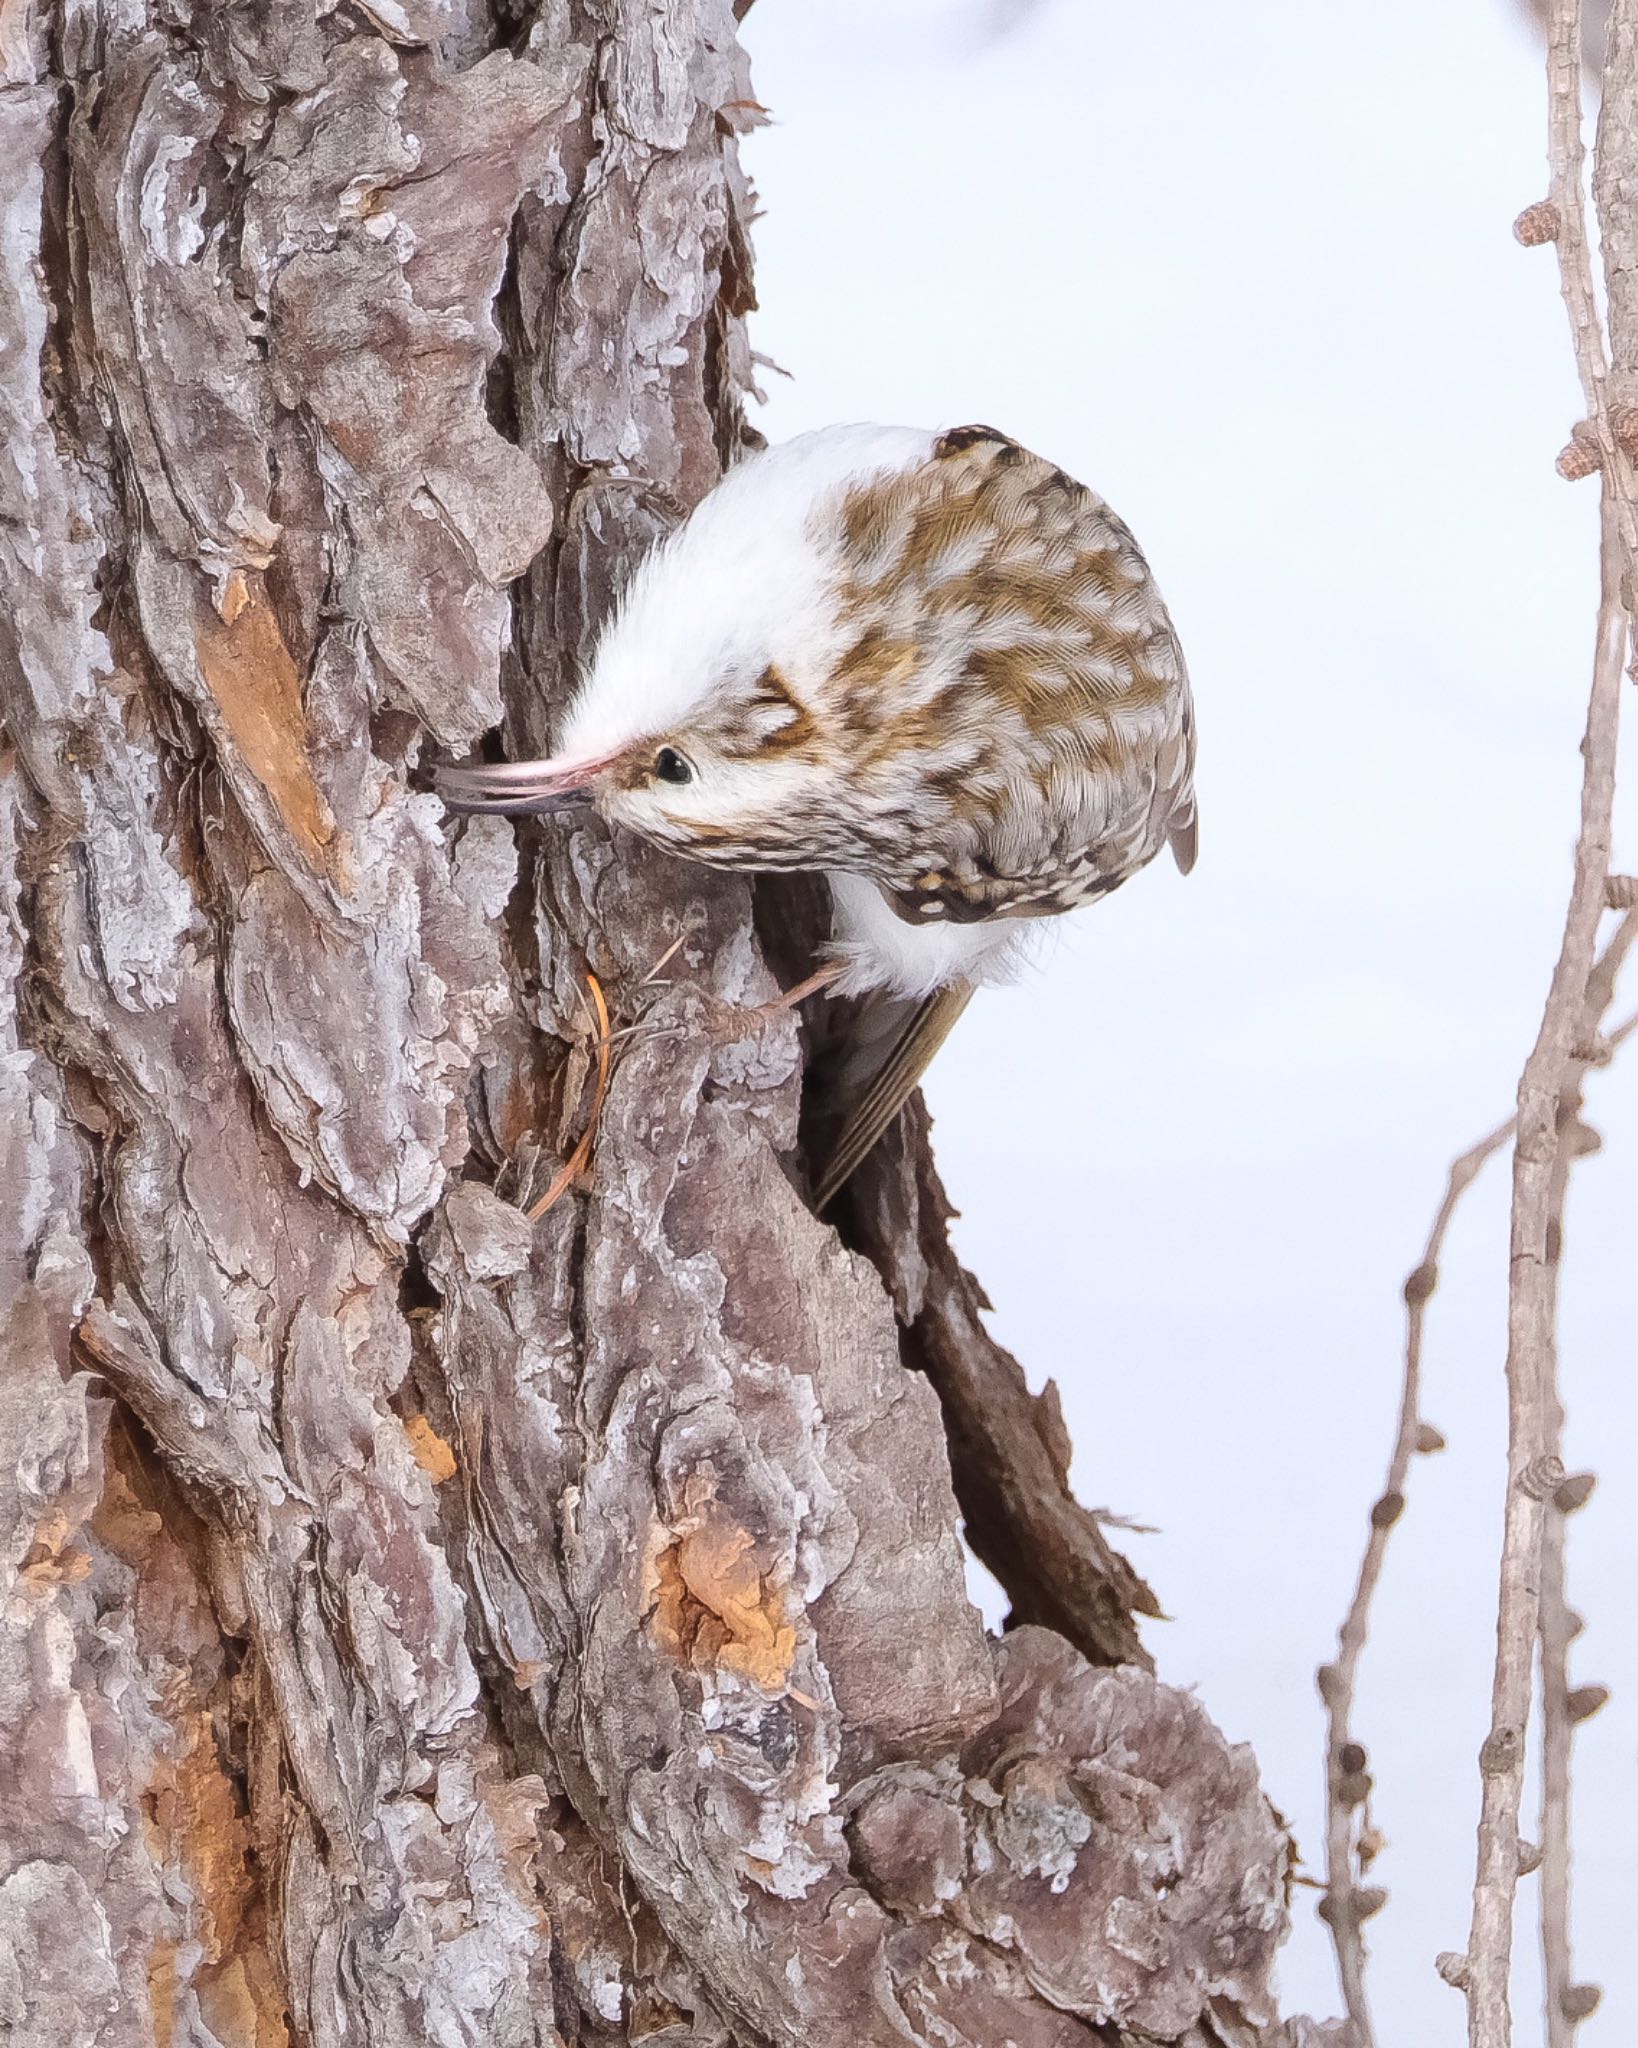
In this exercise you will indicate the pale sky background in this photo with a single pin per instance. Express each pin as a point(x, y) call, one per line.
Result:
point(1248, 271)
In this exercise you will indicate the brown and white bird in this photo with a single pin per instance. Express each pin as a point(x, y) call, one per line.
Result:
point(928, 666)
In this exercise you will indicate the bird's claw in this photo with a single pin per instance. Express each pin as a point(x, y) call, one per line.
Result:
point(734, 1024)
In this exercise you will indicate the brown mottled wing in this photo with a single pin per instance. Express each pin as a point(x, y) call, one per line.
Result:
point(891, 1042)
point(1013, 651)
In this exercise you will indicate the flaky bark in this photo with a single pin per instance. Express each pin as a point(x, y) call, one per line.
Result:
point(422, 1625)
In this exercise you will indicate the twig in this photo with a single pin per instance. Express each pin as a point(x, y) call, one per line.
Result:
point(1566, 2001)
point(1617, 203)
point(1533, 1468)
point(1566, 157)
point(1556, 1630)
point(1566, 161)
point(1347, 1901)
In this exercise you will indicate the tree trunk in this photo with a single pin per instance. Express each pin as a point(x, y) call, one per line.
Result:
point(425, 1622)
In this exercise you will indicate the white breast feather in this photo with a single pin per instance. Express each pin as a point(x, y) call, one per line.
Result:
point(879, 950)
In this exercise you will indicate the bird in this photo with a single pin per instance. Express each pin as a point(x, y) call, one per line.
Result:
point(926, 665)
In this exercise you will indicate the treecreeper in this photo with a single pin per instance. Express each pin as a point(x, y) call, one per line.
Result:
point(929, 667)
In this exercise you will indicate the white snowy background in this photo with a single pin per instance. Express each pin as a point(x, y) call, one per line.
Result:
point(1248, 271)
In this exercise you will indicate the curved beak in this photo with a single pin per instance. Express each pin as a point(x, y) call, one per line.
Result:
point(521, 785)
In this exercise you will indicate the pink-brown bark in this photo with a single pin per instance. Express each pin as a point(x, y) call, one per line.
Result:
point(423, 1625)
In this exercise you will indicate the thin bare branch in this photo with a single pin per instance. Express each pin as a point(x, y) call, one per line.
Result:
point(1533, 1470)
point(1557, 1631)
point(1566, 156)
point(1350, 1844)
point(1617, 202)
point(1557, 1626)
point(1593, 24)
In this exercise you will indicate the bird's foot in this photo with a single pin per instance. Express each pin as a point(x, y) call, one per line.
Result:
point(814, 984)
point(741, 1024)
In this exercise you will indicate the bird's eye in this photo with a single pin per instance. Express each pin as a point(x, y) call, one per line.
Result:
point(670, 766)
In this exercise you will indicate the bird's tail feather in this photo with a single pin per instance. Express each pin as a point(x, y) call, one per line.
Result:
point(890, 1044)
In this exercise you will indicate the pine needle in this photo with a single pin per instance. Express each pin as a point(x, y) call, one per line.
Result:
point(576, 1162)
